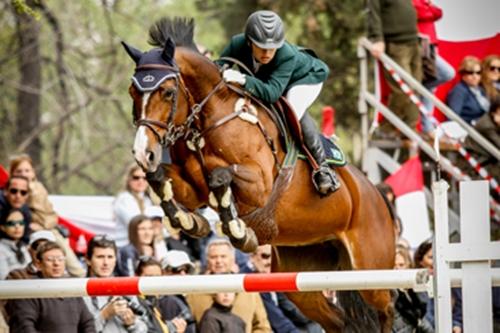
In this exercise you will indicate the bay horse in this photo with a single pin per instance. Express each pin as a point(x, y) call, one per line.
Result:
point(231, 159)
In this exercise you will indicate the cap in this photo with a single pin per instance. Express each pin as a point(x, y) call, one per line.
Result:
point(176, 258)
point(42, 234)
point(154, 211)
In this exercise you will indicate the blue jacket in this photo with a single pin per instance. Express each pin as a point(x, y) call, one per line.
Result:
point(463, 102)
point(127, 259)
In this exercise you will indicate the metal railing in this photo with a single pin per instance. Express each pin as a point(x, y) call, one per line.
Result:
point(364, 46)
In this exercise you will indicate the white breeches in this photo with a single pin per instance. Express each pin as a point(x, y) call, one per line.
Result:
point(302, 96)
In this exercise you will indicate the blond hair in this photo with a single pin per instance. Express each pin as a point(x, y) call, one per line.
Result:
point(486, 82)
point(468, 64)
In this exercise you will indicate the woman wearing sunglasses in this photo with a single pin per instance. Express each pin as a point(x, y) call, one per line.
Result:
point(13, 252)
point(468, 98)
point(43, 216)
point(490, 78)
point(129, 203)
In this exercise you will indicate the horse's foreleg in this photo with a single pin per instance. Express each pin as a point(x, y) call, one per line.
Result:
point(221, 198)
point(191, 223)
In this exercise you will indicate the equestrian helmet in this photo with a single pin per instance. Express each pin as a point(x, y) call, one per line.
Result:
point(265, 29)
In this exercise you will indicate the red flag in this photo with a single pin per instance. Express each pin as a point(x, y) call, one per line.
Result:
point(328, 121)
point(409, 178)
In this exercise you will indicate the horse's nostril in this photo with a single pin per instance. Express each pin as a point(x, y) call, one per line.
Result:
point(151, 156)
point(133, 151)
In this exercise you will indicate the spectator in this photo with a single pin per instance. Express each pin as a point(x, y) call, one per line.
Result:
point(281, 312)
point(282, 69)
point(176, 306)
point(156, 214)
point(248, 306)
point(490, 76)
point(129, 203)
point(467, 98)
point(423, 258)
point(427, 14)
point(13, 251)
point(392, 26)
point(15, 195)
point(218, 318)
point(43, 216)
point(409, 309)
point(111, 314)
point(37, 239)
point(141, 243)
point(489, 127)
point(149, 266)
point(45, 315)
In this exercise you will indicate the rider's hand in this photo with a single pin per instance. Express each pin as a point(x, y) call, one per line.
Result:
point(378, 48)
point(231, 75)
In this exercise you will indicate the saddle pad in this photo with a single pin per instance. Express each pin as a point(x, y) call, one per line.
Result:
point(334, 155)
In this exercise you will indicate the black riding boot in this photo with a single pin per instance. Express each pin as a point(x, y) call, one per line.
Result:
point(324, 178)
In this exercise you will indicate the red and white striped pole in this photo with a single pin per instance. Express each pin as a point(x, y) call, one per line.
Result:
point(168, 285)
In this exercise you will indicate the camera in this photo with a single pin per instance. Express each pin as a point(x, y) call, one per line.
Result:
point(136, 308)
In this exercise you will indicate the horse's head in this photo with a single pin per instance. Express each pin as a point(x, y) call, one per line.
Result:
point(154, 90)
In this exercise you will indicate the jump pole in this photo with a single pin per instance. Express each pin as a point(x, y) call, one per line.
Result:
point(168, 285)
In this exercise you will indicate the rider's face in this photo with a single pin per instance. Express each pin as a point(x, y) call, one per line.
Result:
point(263, 56)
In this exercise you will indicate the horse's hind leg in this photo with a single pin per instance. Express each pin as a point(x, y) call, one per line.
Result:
point(221, 197)
point(374, 252)
point(313, 305)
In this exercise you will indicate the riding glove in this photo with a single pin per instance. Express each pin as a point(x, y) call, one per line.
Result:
point(231, 75)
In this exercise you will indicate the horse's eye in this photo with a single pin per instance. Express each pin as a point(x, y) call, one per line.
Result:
point(168, 94)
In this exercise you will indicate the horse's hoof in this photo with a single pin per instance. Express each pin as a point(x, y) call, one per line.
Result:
point(237, 228)
point(201, 226)
point(168, 224)
point(247, 244)
point(186, 221)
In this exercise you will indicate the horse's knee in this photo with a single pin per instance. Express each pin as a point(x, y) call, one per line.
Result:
point(220, 177)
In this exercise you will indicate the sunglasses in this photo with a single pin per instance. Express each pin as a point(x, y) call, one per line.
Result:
point(265, 256)
point(14, 223)
point(472, 72)
point(138, 177)
point(14, 191)
point(495, 68)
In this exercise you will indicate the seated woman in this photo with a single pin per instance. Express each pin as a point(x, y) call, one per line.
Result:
point(43, 215)
point(468, 99)
point(131, 202)
point(13, 252)
point(141, 238)
point(490, 78)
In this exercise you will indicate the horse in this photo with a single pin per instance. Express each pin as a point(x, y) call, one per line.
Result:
point(229, 157)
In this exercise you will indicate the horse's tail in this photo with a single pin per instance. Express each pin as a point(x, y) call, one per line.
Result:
point(359, 317)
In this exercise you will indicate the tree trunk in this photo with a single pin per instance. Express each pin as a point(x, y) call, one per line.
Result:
point(28, 98)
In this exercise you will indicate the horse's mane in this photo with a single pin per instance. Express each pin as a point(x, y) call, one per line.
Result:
point(179, 29)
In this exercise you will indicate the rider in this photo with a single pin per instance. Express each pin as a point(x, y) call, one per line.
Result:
point(280, 69)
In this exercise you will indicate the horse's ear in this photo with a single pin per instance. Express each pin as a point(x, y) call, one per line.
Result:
point(134, 53)
point(168, 50)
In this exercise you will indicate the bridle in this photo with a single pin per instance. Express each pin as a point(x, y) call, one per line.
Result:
point(174, 132)
point(188, 130)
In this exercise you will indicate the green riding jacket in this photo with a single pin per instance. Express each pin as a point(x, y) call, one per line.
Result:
point(290, 66)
